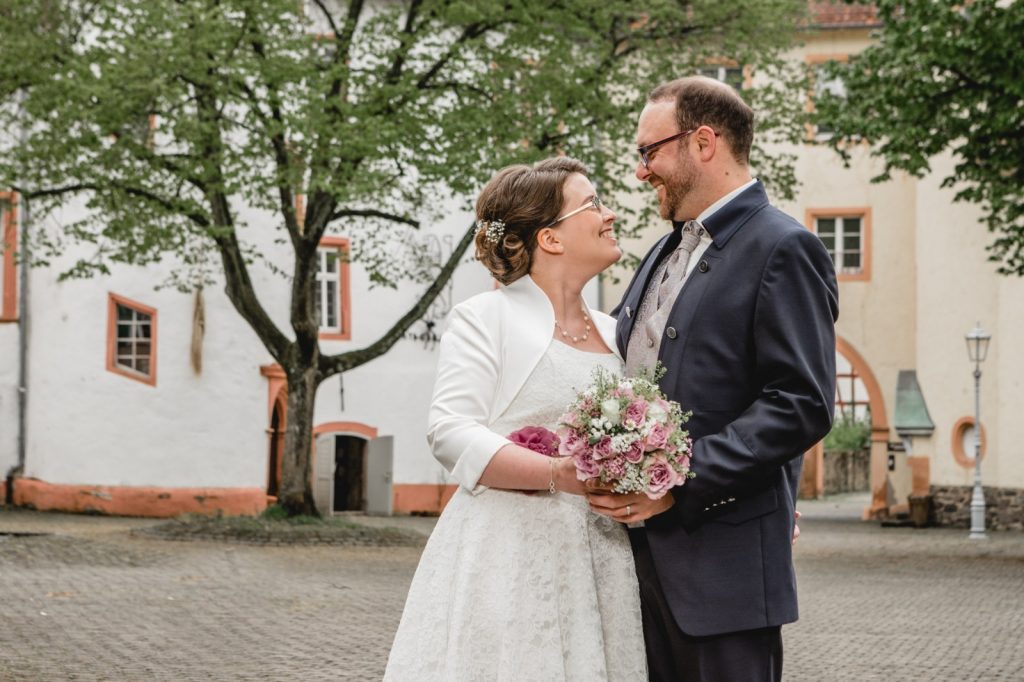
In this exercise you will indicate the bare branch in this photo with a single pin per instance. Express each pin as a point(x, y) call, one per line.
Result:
point(282, 158)
point(240, 291)
point(334, 364)
point(197, 218)
point(372, 213)
point(403, 50)
point(471, 31)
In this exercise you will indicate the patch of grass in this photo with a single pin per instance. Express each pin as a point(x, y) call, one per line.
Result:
point(276, 512)
point(273, 526)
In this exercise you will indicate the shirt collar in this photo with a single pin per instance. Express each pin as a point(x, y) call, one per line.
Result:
point(713, 208)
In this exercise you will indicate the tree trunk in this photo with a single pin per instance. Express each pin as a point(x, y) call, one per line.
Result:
point(296, 494)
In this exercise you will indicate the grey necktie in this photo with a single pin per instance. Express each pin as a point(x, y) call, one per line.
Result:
point(642, 350)
point(679, 260)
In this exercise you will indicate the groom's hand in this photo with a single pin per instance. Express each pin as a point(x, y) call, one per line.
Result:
point(628, 508)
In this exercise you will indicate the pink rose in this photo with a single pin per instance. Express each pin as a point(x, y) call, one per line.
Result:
point(635, 453)
point(570, 418)
point(657, 437)
point(572, 443)
point(660, 477)
point(615, 468)
point(586, 465)
point(603, 448)
point(536, 438)
point(636, 413)
point(683, 461)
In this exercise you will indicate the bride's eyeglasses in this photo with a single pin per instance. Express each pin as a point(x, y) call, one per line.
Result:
point(594, 203)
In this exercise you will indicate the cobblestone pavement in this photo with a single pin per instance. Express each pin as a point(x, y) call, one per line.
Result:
point(88, 601)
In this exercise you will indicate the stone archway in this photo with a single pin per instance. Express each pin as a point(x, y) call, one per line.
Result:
point(277, 421)
point(852, 383)
point(275, 434)
point(879, 505)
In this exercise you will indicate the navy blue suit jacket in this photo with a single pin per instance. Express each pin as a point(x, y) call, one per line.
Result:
point(750, 349)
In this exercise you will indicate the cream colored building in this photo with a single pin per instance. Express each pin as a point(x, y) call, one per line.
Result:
point(913, 280)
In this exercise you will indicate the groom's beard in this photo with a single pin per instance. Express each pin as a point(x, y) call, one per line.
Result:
point(678, 187)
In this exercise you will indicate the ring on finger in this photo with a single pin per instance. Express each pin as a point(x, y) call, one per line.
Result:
point(629, 510)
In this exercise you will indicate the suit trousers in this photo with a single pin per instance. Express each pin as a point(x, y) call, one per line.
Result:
point(674, 656)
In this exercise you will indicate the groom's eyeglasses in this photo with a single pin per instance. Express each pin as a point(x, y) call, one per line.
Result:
point(594, 203)
point(645, 151)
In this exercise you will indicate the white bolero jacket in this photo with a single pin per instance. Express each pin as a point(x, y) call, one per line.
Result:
point(492, 343)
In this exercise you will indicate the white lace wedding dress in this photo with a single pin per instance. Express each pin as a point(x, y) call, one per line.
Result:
point(525, 587)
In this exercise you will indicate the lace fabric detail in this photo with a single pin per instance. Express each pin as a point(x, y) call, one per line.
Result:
point(525, 587)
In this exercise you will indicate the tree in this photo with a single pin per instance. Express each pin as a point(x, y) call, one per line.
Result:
point(371, 111)
point(940, 77)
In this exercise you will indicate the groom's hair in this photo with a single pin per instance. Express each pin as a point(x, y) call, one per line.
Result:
point(705, 101)
point(523, 199)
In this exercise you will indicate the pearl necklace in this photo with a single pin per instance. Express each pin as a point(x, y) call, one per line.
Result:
point(576, 339)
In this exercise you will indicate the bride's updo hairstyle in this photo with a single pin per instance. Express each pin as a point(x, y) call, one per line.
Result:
point(517, 203)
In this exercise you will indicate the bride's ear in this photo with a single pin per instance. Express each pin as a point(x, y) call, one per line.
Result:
point(547, 240)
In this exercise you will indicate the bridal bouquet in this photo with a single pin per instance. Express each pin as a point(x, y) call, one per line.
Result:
point(626, 433)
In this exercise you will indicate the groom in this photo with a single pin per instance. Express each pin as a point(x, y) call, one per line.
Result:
point(738, 303)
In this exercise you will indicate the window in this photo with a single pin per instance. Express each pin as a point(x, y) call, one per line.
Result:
point(333, 299)
point(8, 265)
point(131, 339)
point(732, 75)
point(852, 400)
point(833, 86)
point(823, 84)
point(844, 239)
point(962, 442)
point(846, 234)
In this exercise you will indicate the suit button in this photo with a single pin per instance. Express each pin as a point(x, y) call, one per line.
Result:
point(629, 311)
point(650, 343)
point(703, 267)
point(670, 332)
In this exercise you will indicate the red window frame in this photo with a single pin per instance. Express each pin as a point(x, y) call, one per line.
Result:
point(113, 301)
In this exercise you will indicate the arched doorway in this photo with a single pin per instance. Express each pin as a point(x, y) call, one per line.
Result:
point(349, 473)
point(879, 463)
point(858, 399)
point(277, 419)
point(352, 468)
point(276, 438)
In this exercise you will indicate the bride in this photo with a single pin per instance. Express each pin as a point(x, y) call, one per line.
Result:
point(515, 586)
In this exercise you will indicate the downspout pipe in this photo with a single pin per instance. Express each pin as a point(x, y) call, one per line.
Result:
point(23, 324)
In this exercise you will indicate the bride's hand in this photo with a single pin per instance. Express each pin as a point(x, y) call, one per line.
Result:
point(565, 477)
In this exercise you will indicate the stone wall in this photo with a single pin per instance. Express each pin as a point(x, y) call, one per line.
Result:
point(1004, 507)
point(847, 471)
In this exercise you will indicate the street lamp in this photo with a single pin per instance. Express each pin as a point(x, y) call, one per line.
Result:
point(977, 349)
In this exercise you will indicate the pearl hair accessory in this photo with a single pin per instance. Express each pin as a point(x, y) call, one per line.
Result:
point(495, 229)
point(582, 337)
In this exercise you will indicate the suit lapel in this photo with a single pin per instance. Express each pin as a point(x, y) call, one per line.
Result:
point(685, 308)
